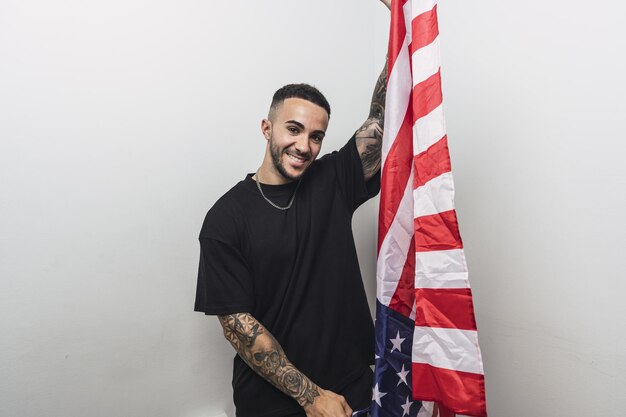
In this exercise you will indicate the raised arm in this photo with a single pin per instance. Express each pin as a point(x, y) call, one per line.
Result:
point(369, 137)
point(262, 352)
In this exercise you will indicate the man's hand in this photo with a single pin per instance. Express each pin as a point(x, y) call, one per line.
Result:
point(387, 3)
point(328, 404)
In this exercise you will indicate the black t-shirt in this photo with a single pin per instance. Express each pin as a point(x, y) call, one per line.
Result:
point(296, 271)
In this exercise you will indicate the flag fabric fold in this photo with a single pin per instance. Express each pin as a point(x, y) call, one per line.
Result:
point(428, 360)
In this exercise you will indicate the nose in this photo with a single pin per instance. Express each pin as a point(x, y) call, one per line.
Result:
point(302, 144)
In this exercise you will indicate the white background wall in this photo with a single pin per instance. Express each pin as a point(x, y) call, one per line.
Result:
point(122, 121)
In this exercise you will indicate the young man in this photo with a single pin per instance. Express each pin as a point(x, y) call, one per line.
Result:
point(279, 268)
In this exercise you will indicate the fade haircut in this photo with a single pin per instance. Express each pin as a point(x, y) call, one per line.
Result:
point(303, 91)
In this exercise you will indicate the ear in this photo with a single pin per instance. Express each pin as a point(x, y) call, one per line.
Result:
point(266, 128)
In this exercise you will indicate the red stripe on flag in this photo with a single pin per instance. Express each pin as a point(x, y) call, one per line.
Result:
point(427, 96)
point(444, 307)
point(397, 34)
point(460, 392)
point(441, 411)
point(403, 299)
point(424, 29)
point(438, 231)
point(431, 163)
point(395, 176)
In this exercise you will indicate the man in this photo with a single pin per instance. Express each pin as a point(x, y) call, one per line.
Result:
point(278, 264)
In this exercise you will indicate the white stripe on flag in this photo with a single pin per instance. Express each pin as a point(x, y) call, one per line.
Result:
point(441, 269)
point(427, 409)
point(413, 311)
point(452, 349)
point(428, 130)
point(393, 250)
point(397, 99)
point(436, 196)
point(406, 11)
point(421, 6)
point(426, 62)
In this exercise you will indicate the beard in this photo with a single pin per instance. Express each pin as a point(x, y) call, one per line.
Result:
point(276, 154)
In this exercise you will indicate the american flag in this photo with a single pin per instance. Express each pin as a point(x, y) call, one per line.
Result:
point(428, 361)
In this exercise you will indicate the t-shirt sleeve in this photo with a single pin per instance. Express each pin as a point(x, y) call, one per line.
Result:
point(225, 284)
point(349, 171)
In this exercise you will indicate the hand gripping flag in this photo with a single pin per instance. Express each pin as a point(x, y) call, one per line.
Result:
point(428, 361)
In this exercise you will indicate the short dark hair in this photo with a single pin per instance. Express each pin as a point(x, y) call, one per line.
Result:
point(303, 91)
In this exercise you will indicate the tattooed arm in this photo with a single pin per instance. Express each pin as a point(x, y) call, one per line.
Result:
point(369, 137)
point(262, 352)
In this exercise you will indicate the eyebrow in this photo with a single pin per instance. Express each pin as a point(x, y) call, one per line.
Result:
point(301, 126)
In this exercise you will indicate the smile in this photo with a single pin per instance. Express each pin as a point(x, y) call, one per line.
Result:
point(297, 159)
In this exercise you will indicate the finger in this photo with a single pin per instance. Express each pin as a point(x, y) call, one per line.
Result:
point(346, 407)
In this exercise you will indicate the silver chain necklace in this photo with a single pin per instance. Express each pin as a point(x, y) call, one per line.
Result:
point(293, 196)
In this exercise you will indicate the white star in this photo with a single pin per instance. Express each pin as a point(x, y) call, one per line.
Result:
point(377, 395)
point(402, 375)
point(406, 407)
point(397, 342)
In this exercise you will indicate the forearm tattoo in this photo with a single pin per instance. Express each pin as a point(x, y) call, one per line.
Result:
point(262, 352)
point(369, 137)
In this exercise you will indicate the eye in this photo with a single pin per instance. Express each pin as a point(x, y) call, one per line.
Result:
point(317, 138)
point(292, 129)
